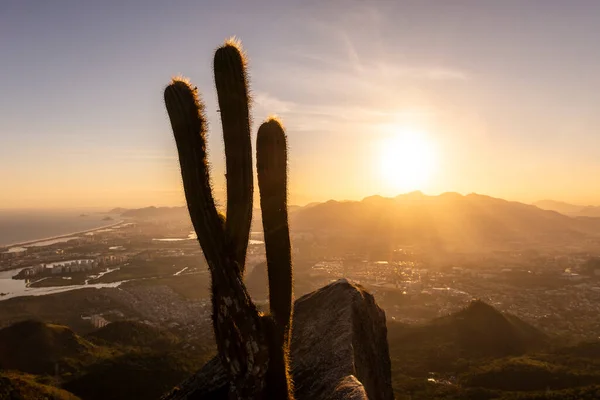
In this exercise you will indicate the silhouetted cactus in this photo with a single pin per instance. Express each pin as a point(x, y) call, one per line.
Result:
point(252, 347)
point(271, 160)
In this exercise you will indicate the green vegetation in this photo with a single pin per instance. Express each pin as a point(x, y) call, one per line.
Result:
point(134, 375)
point(453, 343)
point(253, 348)
point(443, 359)
point(38, 348)
point(480, 353)
point(19, 386)
point(132, 333)
point(123, 360)
point(528, 374)
point(192, 286)
point(65, 308)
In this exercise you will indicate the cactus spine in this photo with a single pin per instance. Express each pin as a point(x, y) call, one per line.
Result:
point(252, 347)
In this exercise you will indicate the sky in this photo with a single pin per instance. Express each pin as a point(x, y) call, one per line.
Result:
point(503, 94)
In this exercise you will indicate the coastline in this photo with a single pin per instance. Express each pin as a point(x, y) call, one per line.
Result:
point(7, 246)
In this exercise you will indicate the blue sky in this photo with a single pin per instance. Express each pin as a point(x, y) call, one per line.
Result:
point(506, 92)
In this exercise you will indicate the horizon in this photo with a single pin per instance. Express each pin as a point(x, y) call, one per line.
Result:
point(441, 102)
point(256, 204)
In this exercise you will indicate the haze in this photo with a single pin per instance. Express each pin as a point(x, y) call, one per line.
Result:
point(500, 96)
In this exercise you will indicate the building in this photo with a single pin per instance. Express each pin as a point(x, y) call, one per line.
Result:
point(98, 321)
point(110, 260)
point(13, 252)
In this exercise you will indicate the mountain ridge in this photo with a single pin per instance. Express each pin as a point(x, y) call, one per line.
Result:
point(569, 209)
point(449, 221)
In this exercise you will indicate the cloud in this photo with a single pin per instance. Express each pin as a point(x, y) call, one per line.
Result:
point(270, 103)
point(357, 44)
point(327, 116)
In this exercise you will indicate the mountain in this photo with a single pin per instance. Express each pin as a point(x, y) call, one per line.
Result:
point(479, 331)
point(157, 213)
point(569, 209)
point(39, 348)
point(449, 221)
point(133, 375)
point(559, 206)
point(482, 330)
point(123, 360)
point(590, 211)
point(118, 210)
point(132, 333)
point(18, 386)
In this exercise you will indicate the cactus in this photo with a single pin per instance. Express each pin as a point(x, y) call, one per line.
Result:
point(271, 160)
point(253, 348)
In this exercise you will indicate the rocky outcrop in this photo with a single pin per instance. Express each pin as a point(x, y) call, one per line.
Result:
point(339, 350)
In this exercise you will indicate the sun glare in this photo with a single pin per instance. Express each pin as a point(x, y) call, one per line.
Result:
point(407, 161)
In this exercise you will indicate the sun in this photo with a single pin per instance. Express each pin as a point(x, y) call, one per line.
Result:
point(407, 160)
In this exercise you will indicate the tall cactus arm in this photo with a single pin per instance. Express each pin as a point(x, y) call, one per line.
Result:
point(232, 90)
point(271, 156)
point(186, 113)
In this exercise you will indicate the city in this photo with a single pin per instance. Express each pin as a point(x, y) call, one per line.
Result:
point(158, 274)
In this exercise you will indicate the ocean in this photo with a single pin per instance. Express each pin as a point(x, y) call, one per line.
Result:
point(26, 226)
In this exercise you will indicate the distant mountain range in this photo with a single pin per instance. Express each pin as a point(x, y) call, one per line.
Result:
point(446, 222)
point(449, 222)
point(569, 209)
point(153, 212)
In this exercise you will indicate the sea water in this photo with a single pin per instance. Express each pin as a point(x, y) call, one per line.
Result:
point(17, 226)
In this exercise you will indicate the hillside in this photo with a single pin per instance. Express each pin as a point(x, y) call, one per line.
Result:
point(477, 353)
point(122, 360)
point(17, 386)
point(134, 375)
point(477, 332)
point(481, 353)
point(39, 348)
point(132, 333)
point(446, 222)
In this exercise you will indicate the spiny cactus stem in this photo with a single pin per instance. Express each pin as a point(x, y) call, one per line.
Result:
point(186, 113)
point(232, 91)
point(271, 158)
point(242, 345)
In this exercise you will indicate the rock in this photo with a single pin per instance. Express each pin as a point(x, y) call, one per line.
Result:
point(339, 350)
point(350, 389)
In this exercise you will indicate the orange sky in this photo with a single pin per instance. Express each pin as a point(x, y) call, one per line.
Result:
point(503, 98)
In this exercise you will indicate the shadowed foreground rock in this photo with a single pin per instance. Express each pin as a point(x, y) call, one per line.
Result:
point(339, 350)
